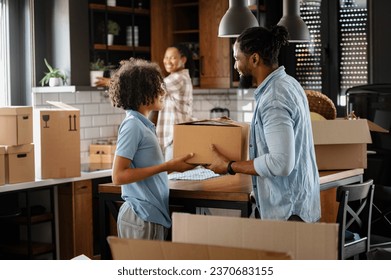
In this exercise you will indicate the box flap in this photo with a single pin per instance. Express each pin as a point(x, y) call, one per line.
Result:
point(376, 128)
point(132, 249)
point(19, 149)
point(305, 241)
point(211, 122)
point(61, 105)
point(340, 131)
point(16, 110)
point(2, 150)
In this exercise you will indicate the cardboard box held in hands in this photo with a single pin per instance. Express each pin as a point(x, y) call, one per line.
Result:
point(57, 141)
point(229, 137)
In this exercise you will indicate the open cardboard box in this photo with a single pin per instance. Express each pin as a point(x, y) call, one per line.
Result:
point(229, 137)
point(132, 249)
point(57, 141)
point(304, 241)
point(341, 143)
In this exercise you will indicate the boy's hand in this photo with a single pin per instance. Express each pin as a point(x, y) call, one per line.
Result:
point(179, 164)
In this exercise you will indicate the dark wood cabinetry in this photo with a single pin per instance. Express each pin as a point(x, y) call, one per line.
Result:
point(75, 216)
point(28, 216)
point(194, 22)
point(134, 38)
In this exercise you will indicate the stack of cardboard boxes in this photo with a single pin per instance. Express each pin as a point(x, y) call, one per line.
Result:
point(17, 150)
point(52, 151)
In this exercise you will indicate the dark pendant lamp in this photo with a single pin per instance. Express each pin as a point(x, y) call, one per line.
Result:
point(298, 30)
point(237, 18)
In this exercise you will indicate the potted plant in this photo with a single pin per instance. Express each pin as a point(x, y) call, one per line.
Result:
point(113, 29)
point(97, 69)
point(111, 3)
point(55, 77)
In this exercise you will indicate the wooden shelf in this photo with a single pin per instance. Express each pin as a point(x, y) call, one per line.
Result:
point(185, 5)
point(35, 219)
point(119, 9)
point(188, 31)
point(21, 248)
point(121, 48)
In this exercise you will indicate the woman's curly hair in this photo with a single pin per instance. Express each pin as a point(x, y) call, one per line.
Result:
point(137, 82)
point(265, 42)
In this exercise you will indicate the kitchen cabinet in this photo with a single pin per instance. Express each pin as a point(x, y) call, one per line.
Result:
point(75, 214)
point(78, 216)
point(214, 51)
point(27, 223)
point(134, 38)
point(194, 22)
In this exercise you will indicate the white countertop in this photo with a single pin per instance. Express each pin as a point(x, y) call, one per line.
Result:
point(49, 182)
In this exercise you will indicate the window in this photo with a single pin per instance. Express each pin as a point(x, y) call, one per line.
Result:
point(353, 45)
point(308, 55)
point(4, 55)
point(340, 40)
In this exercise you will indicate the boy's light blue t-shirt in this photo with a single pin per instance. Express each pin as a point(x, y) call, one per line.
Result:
point(137, 141)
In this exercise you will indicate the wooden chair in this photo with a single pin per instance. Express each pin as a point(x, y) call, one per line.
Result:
point(354, 219)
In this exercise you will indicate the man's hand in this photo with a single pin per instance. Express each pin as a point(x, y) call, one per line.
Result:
point(219, 163)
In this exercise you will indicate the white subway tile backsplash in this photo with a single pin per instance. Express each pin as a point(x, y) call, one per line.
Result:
point(68, 98)
point(246, 106)
point(106, 108)
point(83, 97)
point(108, 131)
point(50, 97)
point(115, 119)
point(99, 120)
point(85, 121)
point(91, 109)
point(92, 133)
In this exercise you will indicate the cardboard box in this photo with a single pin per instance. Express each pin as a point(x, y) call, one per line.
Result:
point(304, 241)
point(16, 125)
point(57, 141)
point(230, 138)
point(102, 153)
point(19, 164)
point(132, 249)
point(2, 165)
point(342, 144)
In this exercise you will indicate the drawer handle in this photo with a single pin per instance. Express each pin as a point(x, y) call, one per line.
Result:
point(21, 155)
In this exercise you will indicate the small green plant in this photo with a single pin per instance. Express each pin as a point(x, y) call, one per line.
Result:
point(98, 65)
point(113, 27)
point(53, 73)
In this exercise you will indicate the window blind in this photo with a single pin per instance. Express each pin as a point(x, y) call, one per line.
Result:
point(353, 44)
point(308, 55)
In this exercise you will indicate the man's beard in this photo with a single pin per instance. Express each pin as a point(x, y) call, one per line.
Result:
point(246, 81)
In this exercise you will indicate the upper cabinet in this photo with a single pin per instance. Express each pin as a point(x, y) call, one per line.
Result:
point(214, 51)
point(194, 22)
point(119, 30)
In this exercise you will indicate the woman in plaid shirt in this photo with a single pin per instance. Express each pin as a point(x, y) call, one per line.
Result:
point(178, 107)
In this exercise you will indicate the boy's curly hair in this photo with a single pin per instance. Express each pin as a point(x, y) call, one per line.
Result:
point(137, 82)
